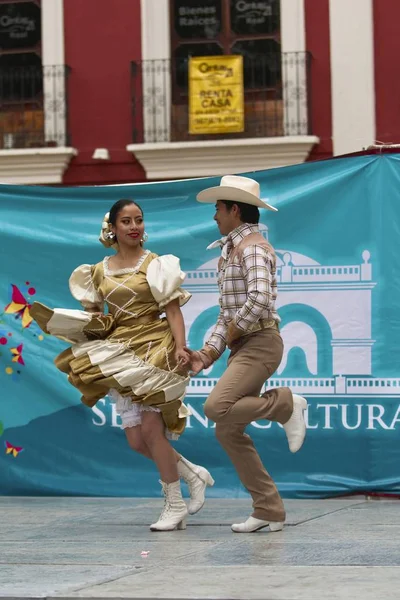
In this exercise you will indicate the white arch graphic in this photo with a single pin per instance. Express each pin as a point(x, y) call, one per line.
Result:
point(341, 294)
point(300, 335)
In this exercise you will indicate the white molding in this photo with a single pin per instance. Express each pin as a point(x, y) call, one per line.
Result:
point(53, 55)
point(34, 165)
point(181, 160)
point(352, 73)
point(53, 32)
point(293, 30)
point(294, 70)
point(156, 45)
point(155, 29)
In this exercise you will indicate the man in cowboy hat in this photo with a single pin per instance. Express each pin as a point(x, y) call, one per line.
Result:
point(248, 325)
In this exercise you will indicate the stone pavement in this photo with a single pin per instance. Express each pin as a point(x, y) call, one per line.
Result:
point(69, 548)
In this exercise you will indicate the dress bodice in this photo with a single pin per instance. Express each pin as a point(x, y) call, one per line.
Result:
point(130, 293)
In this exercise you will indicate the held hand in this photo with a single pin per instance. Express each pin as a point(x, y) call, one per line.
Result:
point(196, 363)
point(182, 357)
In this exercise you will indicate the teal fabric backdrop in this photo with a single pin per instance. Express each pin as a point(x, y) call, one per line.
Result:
point(337, 239)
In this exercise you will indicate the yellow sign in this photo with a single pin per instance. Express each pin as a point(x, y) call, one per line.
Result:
point(216, 102)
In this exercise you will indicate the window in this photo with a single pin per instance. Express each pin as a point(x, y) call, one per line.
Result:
point(20, 26)
point(216, 27)
point(21, 80)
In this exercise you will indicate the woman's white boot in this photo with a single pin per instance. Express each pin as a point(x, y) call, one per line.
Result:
point(197, 479)
point(174, 513)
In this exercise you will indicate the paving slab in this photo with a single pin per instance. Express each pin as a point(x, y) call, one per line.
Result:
point(344, 548)
point(252, 583)
point(43, 581)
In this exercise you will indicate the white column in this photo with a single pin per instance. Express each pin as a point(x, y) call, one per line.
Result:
point(53, 61)
point(294, 67)
point(156, 75)
point(352, 74)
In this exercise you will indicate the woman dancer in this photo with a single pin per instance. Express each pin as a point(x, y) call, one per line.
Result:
point(130, 353)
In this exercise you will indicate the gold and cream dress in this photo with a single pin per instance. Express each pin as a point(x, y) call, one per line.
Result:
point(128, 353)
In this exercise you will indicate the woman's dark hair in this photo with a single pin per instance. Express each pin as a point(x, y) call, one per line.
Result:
point(117, 207)
point(248, 212)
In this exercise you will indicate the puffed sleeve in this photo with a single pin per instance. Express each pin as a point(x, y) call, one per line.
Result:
point(165, 277)
point(82, 288)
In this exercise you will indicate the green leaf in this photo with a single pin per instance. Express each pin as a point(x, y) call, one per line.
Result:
point(1, 428)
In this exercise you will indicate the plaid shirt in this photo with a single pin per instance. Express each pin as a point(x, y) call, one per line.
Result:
point(248, 289)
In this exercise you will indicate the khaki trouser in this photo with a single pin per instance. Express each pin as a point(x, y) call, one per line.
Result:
point(235, 402)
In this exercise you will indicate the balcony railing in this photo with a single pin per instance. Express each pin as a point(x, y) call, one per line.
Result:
point(33, 107)
point(276, 98)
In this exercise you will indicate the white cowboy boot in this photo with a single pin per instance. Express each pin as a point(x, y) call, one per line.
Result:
point(252, 524)
point(174, 513)
point(296, 428)
point(197, 479)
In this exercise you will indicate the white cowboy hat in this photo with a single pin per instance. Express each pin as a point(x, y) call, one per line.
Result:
point(236, 189)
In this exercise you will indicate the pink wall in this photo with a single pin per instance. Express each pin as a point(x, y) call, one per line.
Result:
point(317, 43)
point(387, 81)
point(102, 37)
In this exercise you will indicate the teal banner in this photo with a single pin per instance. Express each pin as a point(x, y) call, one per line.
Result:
point(336, 235)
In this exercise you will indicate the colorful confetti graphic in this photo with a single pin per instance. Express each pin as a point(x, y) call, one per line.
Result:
point(13, 450)
point(17, 312)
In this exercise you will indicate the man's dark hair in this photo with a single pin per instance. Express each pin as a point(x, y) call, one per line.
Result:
point(248, 212)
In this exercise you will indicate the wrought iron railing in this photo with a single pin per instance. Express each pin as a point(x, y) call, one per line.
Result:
point(276, 98)
point(34, 107)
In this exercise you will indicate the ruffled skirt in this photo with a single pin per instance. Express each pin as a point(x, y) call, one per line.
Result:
point(132, 365)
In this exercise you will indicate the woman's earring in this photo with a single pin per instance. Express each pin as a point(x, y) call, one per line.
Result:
point(110, 235)
point(145, 237)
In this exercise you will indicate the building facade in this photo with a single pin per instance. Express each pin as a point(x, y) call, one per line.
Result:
point(96, 92)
